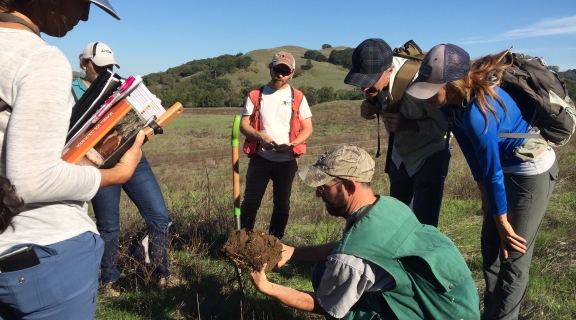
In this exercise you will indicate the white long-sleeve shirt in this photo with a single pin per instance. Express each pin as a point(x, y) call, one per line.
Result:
point(35, 79)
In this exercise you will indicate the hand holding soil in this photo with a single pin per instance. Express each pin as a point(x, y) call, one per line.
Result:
point(250, 250)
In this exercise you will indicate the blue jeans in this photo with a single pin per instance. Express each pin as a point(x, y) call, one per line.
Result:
point(144, 191)
point(424, 189)
point(62, 286)
point(260, 172)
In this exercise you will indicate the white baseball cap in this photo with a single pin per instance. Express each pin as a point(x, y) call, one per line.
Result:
point(100, 54)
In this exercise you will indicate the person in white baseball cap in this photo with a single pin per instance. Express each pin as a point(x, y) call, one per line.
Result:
point(99, 53)
point(96, 57)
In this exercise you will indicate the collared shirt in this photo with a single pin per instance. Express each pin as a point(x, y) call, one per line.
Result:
point(347, 277)
point(410, 147)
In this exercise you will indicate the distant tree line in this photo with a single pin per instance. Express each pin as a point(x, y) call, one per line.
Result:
point(342, 57)
point(568, 74)
point(315, 55)
point(199, 83)
point(214, 66)
point(569, 77)
point(337, 57)
point(327, 94)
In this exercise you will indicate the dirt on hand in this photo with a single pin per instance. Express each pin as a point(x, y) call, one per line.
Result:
point(249, 250)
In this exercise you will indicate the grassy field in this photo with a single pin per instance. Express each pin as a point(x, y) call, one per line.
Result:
point(192, 162)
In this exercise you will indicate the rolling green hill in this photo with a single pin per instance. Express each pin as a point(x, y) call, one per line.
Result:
point(225, 80)
point(323, 74)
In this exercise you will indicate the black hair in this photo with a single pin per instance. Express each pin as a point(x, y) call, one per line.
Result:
point(7, 5)
point(11, 204)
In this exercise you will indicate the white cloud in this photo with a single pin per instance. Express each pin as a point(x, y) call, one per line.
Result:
point(556, 26)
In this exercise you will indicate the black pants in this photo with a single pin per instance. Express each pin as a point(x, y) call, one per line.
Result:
point(260, 171)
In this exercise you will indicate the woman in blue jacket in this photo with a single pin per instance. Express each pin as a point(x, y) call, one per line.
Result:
point(515, 176)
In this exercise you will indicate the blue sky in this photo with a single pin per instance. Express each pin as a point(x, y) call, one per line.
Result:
point(156, 35)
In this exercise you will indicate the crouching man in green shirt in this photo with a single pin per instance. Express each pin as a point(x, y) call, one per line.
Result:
point(387, 265)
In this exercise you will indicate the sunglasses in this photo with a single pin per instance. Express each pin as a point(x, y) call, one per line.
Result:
point(320, 189)
point(281, 71)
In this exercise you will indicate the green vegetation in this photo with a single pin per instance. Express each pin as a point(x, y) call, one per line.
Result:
point(342, 57)
point(568, 74)
point(199, 83)
point(192, 162)
point(315, 55)
point(571, 87)
point(224, 81)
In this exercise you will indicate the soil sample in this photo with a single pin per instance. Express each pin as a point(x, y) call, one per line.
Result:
point(249, 250)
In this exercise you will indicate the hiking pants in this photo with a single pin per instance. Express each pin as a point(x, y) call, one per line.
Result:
point(259, 172)
point(507, 279)
point(424, 189)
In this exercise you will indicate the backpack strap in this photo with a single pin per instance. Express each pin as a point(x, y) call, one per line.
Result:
point(406, 73)
point(403, 78)
point(7, 17)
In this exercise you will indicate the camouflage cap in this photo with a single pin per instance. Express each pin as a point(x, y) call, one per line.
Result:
point(344, 161)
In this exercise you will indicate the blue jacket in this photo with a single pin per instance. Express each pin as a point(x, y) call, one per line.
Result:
point(483, 148)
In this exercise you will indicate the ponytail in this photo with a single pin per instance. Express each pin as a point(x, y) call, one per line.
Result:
point(485, 72)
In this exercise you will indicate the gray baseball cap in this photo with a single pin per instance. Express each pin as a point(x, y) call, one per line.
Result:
point(442, 64)
point(106, 6)
point(369, 61)
point(344, 161)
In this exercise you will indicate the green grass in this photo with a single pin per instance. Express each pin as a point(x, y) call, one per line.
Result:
point(192, 162)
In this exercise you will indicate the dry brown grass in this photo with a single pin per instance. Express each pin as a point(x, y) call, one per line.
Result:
point(193, 165)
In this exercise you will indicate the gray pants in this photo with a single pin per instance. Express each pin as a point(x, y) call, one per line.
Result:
point(507, 279)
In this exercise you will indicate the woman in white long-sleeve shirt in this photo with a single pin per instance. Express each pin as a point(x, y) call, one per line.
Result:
point(57, 277)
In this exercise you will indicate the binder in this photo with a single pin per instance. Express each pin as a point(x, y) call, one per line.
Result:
point(103, 143)
point(102, 87)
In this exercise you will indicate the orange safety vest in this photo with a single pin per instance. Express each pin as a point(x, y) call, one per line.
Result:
point(251, 146)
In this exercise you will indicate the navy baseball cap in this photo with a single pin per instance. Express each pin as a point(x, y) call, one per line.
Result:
point(442, 64)
point(369, 61)
point(105, 5)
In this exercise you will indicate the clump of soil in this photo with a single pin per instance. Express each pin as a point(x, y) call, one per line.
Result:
point(249, 250)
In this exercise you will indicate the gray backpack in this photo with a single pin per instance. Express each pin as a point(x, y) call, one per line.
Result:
point(542, 98)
